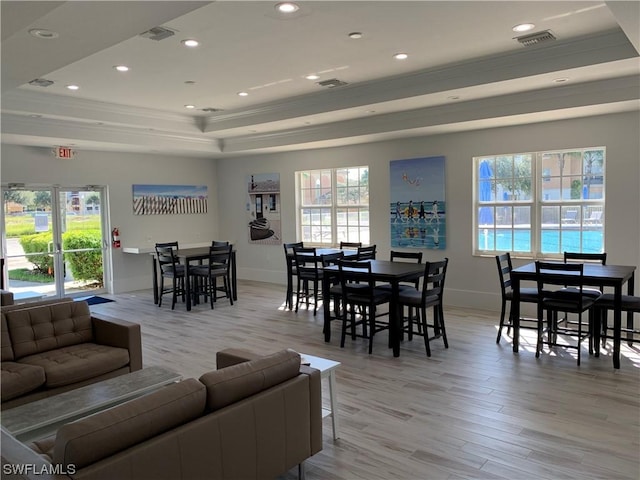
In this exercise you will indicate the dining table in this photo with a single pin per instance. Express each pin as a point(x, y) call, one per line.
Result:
point(187, 256)
point(595, 274)
point(384, 271)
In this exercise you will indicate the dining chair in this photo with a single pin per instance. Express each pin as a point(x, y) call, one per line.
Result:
point(630, 304)
point(309, 273)
point(366, 253)
point(292, 271)
point(553, 300)
point(170, 267)
point(527, 294)
point(205, 277)
point(350, 245)
point(219, 243)
point(335, 290)
point(360, 298)
point(429, 296)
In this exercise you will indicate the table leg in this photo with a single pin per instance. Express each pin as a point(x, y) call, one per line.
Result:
point(234, 278)
point(187, 285)
point(155, 281)
point(326, 307)
point(617, 325)
point(515, 312)
point(333, 397)
point(395, 319)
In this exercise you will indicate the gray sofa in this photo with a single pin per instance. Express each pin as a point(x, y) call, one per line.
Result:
point(57, 345)
point(251, 420)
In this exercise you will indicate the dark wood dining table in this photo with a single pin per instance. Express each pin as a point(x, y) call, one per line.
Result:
point(595, 274)
point(187, 256)
point(381, 271)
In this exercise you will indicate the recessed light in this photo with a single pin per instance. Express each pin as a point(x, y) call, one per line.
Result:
point(313, 76)
point(190, 42)
point(453, 97)
point(43, 33)
point(287, 7)
point(189, 82)
point(355, 35)
point(401, 56)
point(73, 87)
point(121, 68)
point(523, 27)
point(243, 94)
point(189, 106)
point(560, 80)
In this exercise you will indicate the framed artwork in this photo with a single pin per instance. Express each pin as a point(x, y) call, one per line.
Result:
point(169, 199)
point(418, 207)
point(263, 209)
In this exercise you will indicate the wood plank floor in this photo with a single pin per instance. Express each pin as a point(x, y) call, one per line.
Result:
point(473, 411)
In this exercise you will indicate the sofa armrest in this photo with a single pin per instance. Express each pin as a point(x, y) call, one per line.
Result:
point(20, 462)
point(119, 333)
point(315, 391)
point(233, 356)
point(6, 297)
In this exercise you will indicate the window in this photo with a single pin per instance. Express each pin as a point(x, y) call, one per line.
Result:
point(333, 205)
point(542, 214)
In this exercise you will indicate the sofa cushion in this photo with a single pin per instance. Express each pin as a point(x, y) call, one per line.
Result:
point(76, 363)
point(7, 349)
point(47, 327)
point(18, 379)
point(231, 384)
point(98, 436)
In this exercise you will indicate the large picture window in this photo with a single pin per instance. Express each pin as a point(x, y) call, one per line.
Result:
point(540, 204)
point(333, 205)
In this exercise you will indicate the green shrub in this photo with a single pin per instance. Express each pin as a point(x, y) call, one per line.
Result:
point(35, 244)
point(84, 265)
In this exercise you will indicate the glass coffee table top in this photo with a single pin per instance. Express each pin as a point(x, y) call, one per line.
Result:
point(43, 417)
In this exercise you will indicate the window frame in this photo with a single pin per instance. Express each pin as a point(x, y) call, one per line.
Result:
point(589, 211)
point(334, 229)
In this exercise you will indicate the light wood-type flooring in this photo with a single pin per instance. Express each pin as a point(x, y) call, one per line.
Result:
point(472, 411)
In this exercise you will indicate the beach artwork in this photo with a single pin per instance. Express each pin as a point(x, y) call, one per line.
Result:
point(263, 208)
point(418, 207)
point(169, 199)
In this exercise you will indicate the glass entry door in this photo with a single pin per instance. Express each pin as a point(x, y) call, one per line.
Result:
point(53, 241)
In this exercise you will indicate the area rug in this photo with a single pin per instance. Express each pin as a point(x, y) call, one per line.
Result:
point(94, 300)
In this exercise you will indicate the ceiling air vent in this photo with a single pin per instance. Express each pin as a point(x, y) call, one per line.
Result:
point(211, 109)
point(535, 38)
point(158, 33)
point(333, 82)
point(40, 82)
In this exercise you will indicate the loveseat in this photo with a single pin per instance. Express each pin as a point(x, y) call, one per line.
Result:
point(251, 420)
point(53, 346)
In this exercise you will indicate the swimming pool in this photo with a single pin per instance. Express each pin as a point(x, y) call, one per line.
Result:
point(553, 240)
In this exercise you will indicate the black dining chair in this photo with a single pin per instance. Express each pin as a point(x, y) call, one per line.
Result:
point(309, 272)
point(429, 296)
point(292, 271)
point(335, 290)
point(630, 304)
point(366, 253)
point(527, 294)
point(360, 299)
point(205, 277)
point(170, 268)
point(350, 245)
point(553, 300)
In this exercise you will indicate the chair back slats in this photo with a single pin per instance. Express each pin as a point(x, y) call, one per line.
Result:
point(405, 256)
point(573, 299)
point(504, 270)
point(355, 279)
point(331, 258)
point(433, 282)
point(586, 257)
point(350, 245)
point(220, 258)
point(307, 262)
point(366, 253)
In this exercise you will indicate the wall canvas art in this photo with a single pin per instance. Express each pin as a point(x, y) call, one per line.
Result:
point(418, 207)
point(169, 199)
point(263, 208)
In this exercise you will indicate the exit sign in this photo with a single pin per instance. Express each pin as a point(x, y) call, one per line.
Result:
point(64, 152)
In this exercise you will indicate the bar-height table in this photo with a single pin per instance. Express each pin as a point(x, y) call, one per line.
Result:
point(186, 256)
point(381, 271)
point(594, 275)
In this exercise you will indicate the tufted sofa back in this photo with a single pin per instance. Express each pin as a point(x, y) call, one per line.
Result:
point(44, 328)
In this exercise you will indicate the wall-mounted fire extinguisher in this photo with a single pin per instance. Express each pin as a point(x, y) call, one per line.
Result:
point(115, 237)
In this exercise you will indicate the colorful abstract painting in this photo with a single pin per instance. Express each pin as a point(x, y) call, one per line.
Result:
point(263, 208)
point(418, 207)
point(169, 199)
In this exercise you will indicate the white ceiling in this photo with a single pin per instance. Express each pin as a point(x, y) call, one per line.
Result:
point(465, 71)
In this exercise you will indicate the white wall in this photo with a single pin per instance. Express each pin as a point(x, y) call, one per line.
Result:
point(472, 281)
point(119, 171)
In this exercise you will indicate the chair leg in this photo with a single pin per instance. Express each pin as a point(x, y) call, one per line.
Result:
point(502, 312)
point(425, 331)
point(174, 296)
point(443, 330)
point(161, 291)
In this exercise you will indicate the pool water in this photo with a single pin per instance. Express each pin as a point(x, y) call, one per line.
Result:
point(553, 241)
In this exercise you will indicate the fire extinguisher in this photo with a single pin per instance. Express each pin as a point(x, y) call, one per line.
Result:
point(115, 238)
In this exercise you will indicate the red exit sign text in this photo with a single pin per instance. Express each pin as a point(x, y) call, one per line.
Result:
point(64, 152)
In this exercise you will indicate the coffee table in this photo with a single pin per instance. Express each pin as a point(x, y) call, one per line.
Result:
point(41, 418)
point(327, 370)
